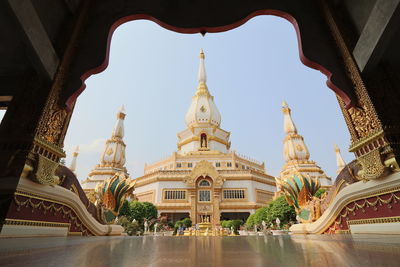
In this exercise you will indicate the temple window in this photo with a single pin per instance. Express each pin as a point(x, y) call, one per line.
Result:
point(229, 164)
point(234, 194)
point(179, 165)
point(236, 165)
point(204, 195)
point(203, 140)
point(190, 165)
point(217, 164)
point(204, 183)
point(174, 194)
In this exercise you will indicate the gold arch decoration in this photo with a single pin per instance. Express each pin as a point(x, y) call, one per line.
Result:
point(204, 169)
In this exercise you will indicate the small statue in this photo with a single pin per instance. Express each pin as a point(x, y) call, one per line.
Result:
point(206, 233)
point(298, 219)
point(255, 228)
point(232, 230)
point(146, 227)
point(134, 221)
point(155, 228)
point(264, 225)
point(278, 222)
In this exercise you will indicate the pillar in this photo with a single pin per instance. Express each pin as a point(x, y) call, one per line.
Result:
point(216, 209)
point(33, 129)
point(193, 206)
point(372, 141)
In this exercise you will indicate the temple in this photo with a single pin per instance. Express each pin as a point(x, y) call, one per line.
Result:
point(296, 154)
point(48, 56)
point(204, 179)
point(112, 159)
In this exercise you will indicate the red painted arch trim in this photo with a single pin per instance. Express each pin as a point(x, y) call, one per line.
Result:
point(71, 100)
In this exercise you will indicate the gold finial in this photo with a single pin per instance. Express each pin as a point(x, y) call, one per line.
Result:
point(76, 152)
point(285, 107)
point(336, 148)
point(202, 54)
point(121, 113)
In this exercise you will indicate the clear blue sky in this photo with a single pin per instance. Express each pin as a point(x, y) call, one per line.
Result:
point(251, 69)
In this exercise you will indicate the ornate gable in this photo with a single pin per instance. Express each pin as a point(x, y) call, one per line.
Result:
point(203, 169)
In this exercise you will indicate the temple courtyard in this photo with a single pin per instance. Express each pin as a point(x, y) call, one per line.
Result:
point(298, 250)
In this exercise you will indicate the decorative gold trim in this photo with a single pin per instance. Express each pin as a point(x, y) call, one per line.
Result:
point(180, 207)
point(354, 199)
point(374, 220)
point(31, 195)
point(36, 223)
point(75, 233)
point(342, 232)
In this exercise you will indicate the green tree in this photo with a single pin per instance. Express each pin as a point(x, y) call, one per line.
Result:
point(140, 211)
point(149, 211)
point(278, 208)
point(187, 222)
point(125, 210)
point(250, 221)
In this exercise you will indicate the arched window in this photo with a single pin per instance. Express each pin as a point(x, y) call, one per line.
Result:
point(203, 140)
point(204, 183)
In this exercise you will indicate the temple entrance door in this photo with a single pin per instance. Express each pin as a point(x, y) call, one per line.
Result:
point(204, 195)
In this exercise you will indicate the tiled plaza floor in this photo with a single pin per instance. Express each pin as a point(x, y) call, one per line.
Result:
point(321, 251)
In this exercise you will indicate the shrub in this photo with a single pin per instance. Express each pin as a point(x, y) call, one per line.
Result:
point(187, 222)
point(278, 208)
point(232, 223)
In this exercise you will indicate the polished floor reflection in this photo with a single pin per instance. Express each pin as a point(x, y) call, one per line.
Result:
point(339, 250)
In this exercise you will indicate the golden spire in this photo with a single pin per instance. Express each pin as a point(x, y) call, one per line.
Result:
point(202, 77)
point(288, 124)
point(339, 160)
point(119, 126)
point(72, 167)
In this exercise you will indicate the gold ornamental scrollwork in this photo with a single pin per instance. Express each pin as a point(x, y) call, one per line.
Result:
point(204, 169)
point(371, 166)
point(54, 126)
point(44, 171)
point(363, 123)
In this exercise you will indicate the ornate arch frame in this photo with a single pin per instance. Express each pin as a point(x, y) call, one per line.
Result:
point(204, 169)
point(317, 49)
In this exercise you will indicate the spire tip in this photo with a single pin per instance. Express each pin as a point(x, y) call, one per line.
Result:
point(202, 53)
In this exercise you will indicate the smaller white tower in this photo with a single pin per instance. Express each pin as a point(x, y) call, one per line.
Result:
point(72, 167)
point(296, 153)
point(339, 160)
point(112, 160)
